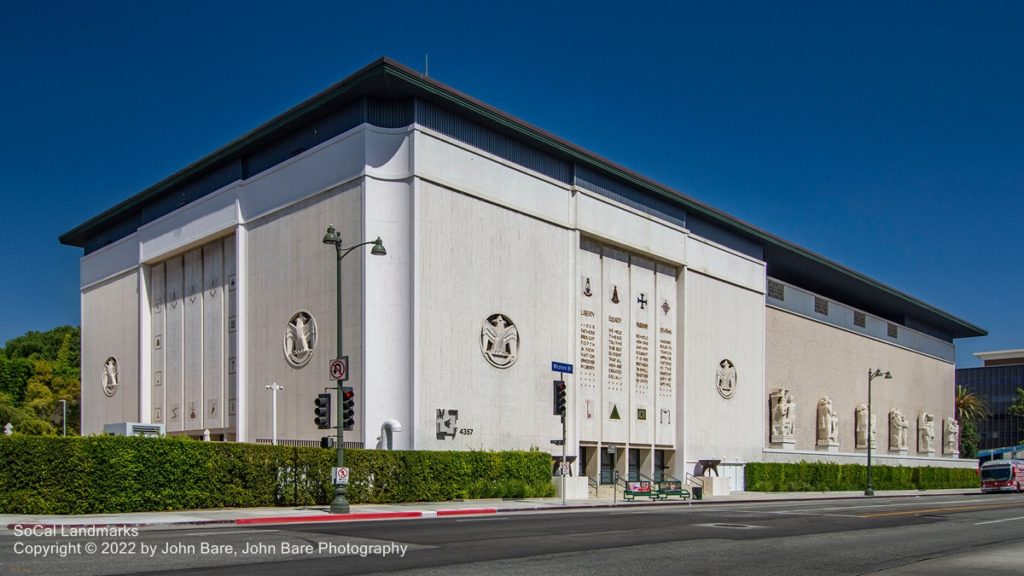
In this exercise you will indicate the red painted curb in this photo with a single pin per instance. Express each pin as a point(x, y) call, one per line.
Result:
point(467, 511)
point(327, 518)
point(33, 525)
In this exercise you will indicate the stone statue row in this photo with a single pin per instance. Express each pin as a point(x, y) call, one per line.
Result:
point(783, 426)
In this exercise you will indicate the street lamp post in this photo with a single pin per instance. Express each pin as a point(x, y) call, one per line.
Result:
point(273, 411)
point(340, 503)
point(872, 374)
point(64, 415)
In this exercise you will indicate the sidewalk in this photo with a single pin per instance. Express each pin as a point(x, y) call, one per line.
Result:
point(284, 515)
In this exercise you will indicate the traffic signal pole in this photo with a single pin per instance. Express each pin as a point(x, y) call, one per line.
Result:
point(561, 378)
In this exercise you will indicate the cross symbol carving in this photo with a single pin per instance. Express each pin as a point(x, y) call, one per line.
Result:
point(642, 300)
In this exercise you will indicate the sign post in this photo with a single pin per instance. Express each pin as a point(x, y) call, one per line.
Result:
point(562, 370)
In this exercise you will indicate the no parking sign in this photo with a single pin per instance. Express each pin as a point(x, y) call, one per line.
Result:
point(340, 476)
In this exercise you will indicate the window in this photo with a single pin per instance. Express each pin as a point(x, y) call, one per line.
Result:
point(821, 305)
point(776, 290)
point(859, 319)
point(892, 331)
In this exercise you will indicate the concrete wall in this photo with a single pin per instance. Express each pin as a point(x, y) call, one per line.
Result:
point(476, 259)
point(724, 319)
point(388, 308)
point(110, 328)
point(192, 330)
point(814, 359)
point(290, 269)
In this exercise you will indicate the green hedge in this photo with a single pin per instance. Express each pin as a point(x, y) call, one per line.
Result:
point(822, 476)
point(108, 474)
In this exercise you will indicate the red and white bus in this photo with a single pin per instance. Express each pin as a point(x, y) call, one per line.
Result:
point(1002, 476)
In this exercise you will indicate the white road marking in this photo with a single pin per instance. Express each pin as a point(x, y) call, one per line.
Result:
point(998, 521)
point(227, 532)
point(890, 505)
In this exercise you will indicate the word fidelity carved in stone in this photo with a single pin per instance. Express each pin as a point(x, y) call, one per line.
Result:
point(499, 341)
point(300, 339)
point(110, 376)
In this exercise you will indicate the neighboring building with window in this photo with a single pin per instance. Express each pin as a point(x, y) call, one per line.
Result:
point(694, 335)
point(996, 382)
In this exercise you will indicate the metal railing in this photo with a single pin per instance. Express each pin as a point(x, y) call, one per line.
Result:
point(695, 480)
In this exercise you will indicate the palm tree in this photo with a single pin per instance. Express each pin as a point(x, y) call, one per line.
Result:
point(969, 408)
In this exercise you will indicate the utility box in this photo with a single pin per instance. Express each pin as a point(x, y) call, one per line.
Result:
point(133, 429)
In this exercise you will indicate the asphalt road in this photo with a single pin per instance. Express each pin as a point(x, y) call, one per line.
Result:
point(981, 534)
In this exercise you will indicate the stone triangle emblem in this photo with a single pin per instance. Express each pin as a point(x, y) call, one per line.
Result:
point(615, 413)
point(615, 294)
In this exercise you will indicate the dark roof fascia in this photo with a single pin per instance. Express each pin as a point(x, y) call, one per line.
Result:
point(79, 234)
point(428, 87)
point(582, 156)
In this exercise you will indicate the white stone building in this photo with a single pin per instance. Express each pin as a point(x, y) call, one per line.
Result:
point(682, 322)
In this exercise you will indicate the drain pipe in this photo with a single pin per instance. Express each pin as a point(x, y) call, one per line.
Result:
point(387, 428)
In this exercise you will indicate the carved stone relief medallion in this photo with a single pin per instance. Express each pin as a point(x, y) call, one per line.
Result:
point(499, 341)
point(300, 336)
point(725, 378)
point(110, 376)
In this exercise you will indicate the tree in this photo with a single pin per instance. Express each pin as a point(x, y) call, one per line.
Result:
point(970, 440)
point(969, 409)
point(1017, 407)
point(37, 370)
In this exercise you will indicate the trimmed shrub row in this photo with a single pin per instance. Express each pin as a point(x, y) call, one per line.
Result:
point(109, 474)
point(823, 476)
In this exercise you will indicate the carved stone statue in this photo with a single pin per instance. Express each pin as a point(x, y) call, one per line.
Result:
point(952, 437)
point(300, 337)
point(828, 423)
point(898, 428)
point(110, 374)
point(499, 341)
point(926, 433)
point(726, 376)
point(862, 427)
point(783, 416)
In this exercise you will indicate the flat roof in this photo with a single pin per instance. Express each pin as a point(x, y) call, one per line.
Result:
point(1001, 355)
point(387, 78)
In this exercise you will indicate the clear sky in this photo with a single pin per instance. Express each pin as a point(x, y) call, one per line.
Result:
point(888, 136)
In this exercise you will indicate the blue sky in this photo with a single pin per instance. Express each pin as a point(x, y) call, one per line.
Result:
point(886, 136)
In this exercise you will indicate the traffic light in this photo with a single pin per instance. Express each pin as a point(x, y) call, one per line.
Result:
point(560, 398)
point(348, 408)
point(322, 411)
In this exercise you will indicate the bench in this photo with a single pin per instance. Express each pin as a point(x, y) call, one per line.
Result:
point(634, 489)
point(668, 488)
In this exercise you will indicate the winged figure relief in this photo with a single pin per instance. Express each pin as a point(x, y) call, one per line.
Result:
point(500, 341)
